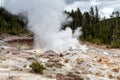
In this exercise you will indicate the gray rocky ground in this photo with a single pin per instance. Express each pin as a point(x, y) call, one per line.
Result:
point(16, 54)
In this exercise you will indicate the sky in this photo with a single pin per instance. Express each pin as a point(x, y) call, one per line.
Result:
point(106, 7)
point(1, 1)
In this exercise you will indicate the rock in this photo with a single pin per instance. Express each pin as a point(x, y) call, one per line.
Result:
point(8, 52)
point(80, 60)
point(63, 77)
point(58, 65)
point(110, 76)
point(61, 55)
point(116, 70)
point(32, 58)
point(53, 60)
point(49, 51)
point(12, 78)
point(99, 74)
point(1, 38)
point(2, 48)
point(49, 64)
point(67, 53)
point(70, 76)
point(44, 55)
point(105, 53)
point(51, 54)
point(118, 78)
point(15, 53)
point(74, 76)
point(54, 64)
point(67, 60)
point(77, 72)
point(60, 76)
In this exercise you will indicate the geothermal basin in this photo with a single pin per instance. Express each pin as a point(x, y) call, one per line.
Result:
point(17, 53)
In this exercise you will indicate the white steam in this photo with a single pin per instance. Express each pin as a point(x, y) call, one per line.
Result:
point(45, 18)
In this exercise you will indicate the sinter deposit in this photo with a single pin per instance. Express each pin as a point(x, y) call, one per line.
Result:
point(74, 64)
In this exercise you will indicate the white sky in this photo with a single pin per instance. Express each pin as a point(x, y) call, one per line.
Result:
point(106, 7)
point(1, 1)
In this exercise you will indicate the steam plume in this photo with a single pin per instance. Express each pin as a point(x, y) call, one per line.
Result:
point(45, 18)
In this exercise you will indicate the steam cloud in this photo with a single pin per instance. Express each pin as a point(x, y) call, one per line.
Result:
point(45, 18)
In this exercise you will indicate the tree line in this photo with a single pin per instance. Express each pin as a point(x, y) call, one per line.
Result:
point(95, 29)
point(12, 24)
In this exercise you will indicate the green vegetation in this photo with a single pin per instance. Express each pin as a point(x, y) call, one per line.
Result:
point(37, 67)
point(96, 30)
point(115, 44)
point(12, 24)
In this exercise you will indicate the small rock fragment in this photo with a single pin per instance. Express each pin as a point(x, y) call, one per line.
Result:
point(115, 70)
point(66, 60)
point(80, 60)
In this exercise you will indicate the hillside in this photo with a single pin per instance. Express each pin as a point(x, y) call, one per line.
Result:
point(12, 24)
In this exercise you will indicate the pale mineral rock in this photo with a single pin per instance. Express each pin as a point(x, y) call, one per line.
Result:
point(92, 64)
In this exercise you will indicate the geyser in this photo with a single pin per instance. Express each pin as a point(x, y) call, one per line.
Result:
point(45, 18)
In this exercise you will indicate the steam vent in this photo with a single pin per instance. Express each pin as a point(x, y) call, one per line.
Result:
point(59, 40)
point(96, 63)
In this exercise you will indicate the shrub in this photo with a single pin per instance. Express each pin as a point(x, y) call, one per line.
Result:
point(37, 67)
point(115, 44)
point(89, 38)
point(97, 41)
